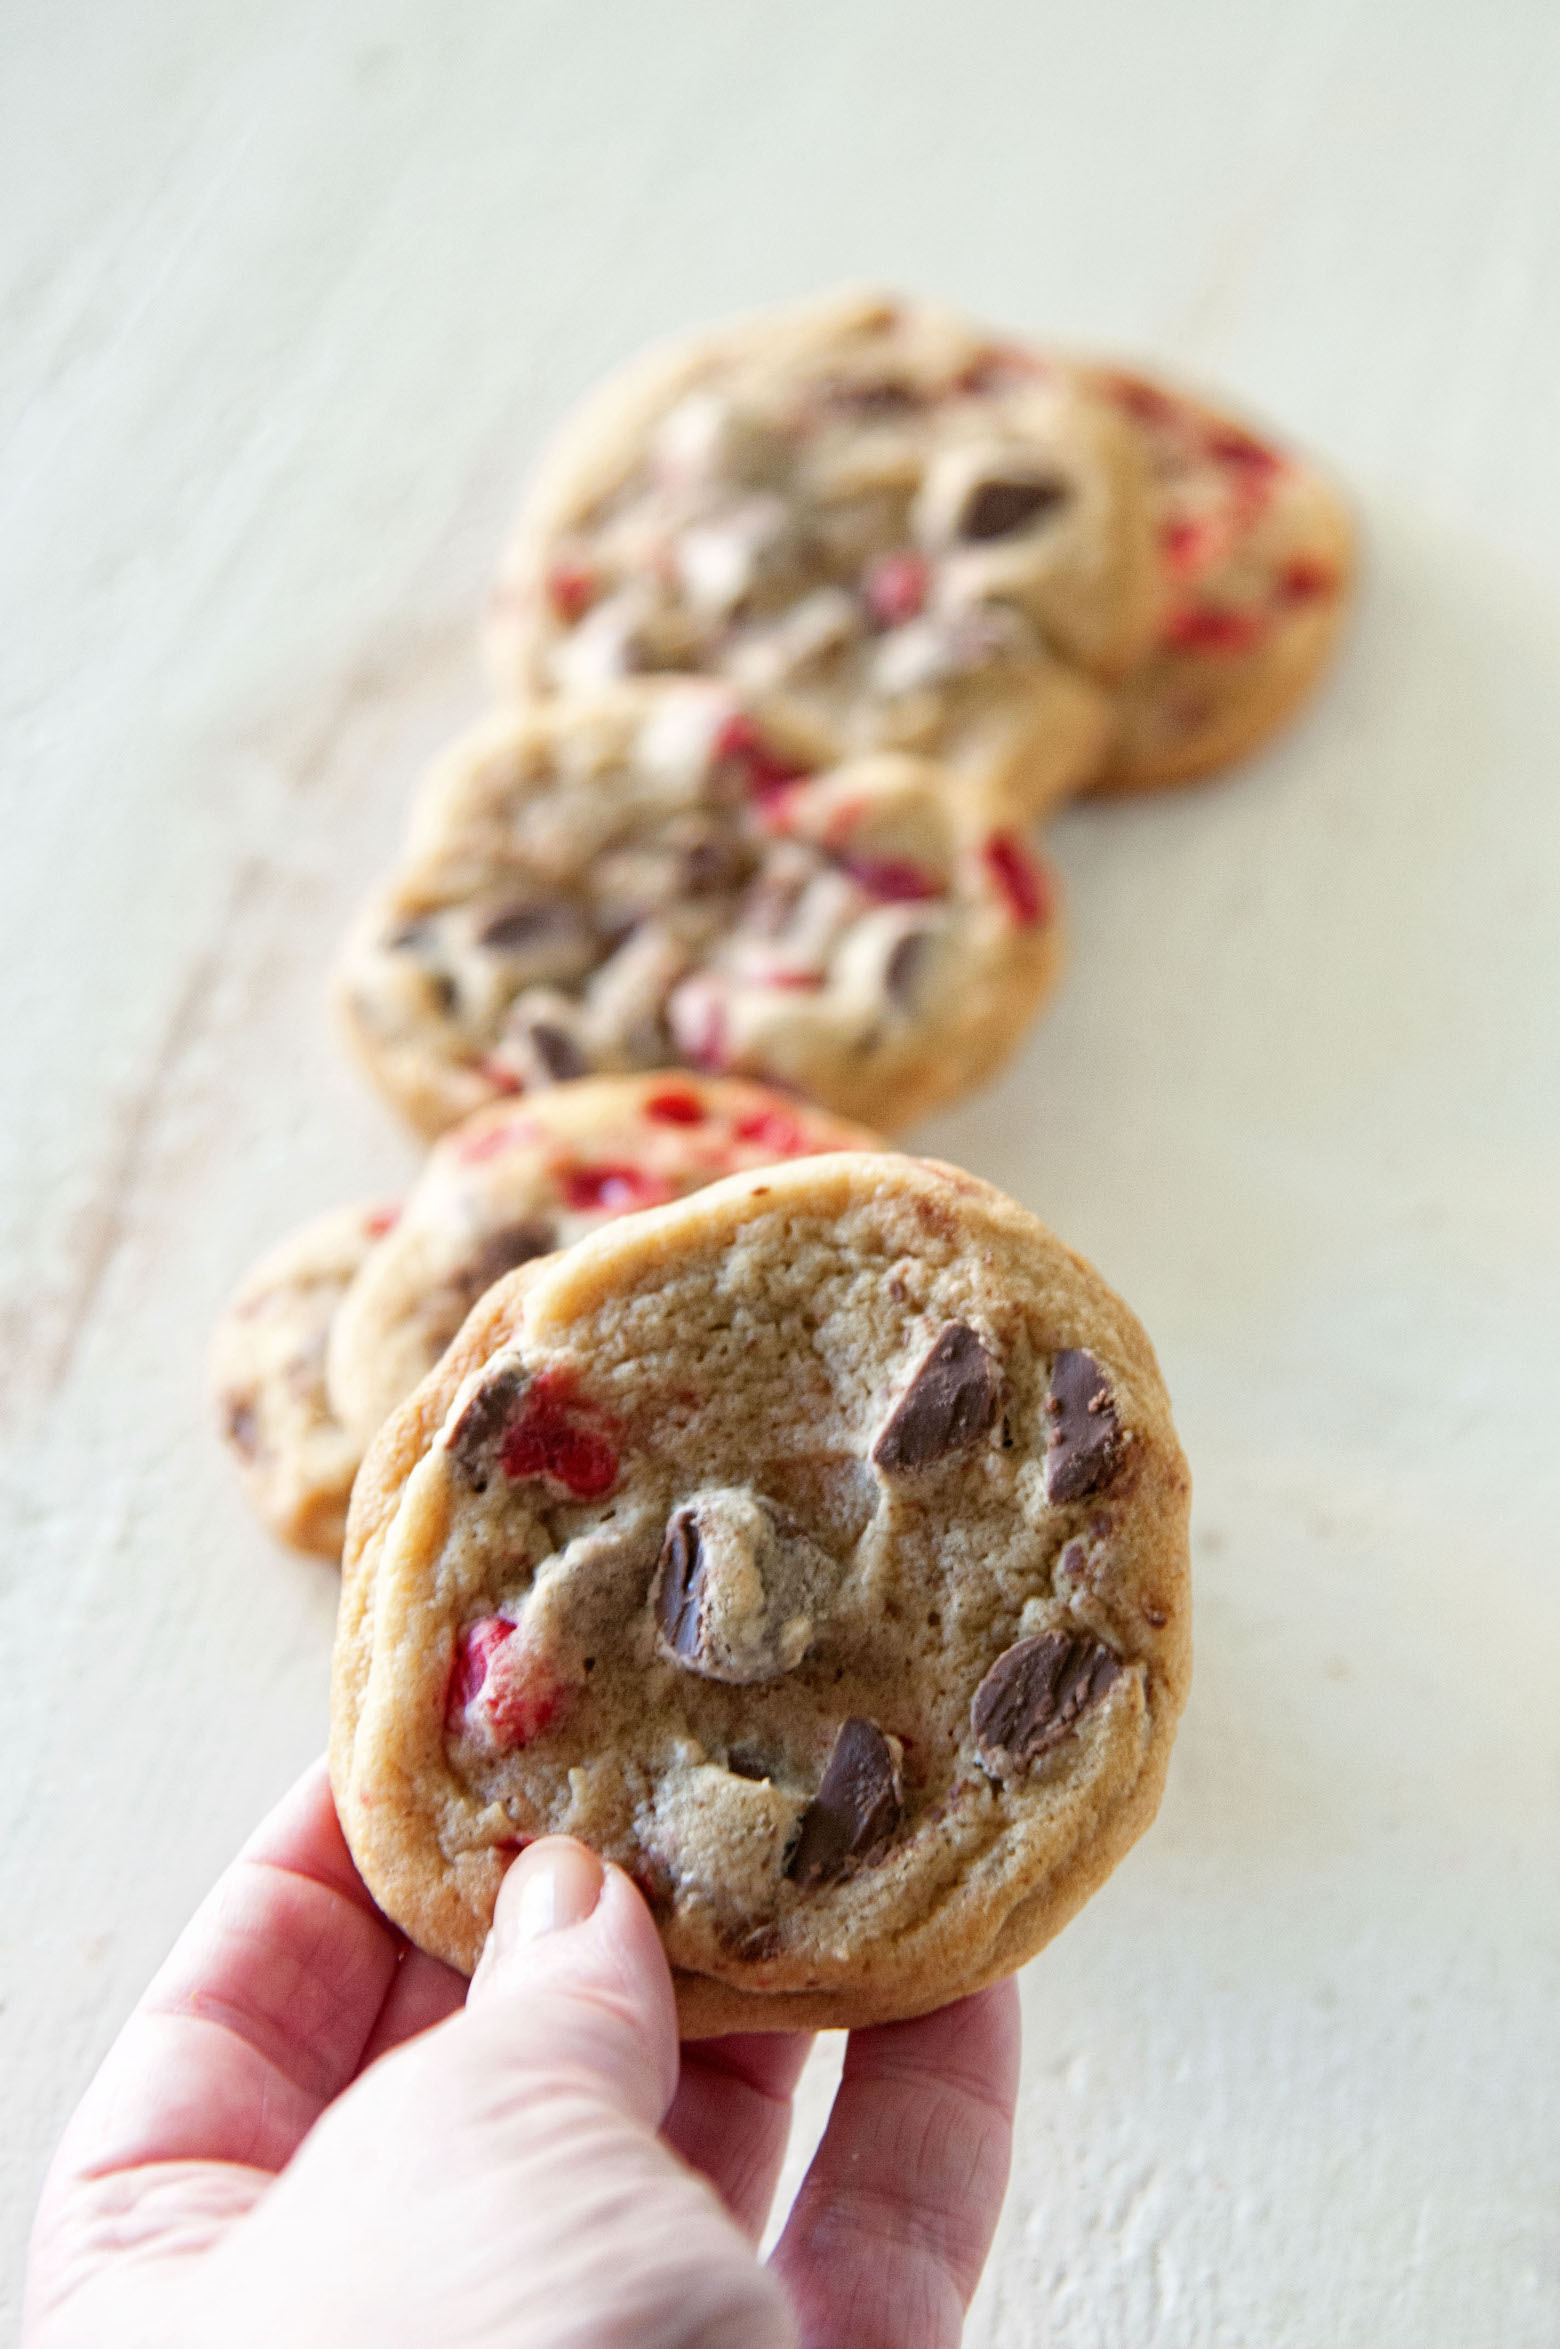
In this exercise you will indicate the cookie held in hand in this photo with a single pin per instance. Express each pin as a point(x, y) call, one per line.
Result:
point(815, 1547)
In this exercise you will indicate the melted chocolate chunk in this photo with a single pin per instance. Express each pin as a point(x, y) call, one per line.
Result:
point(682, 1585)
point(902, 971)
point(884, 395)
point(519, 928)
point(851, 1820)
point(243, 1428)
point(499, 1253)
point(444, 991)
point(478, 1434)
point(1086, 1446)
point(949, 1404)
point(1034, 1694)
point(996, 509)
point(557, 1051)
point(740, 1586)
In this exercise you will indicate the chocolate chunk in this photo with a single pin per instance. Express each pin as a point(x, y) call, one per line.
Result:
point(499, 1253)
point(243, 1428)
point(995, 509)
point(739, 1588)
point(711, 866)
point(682, 1585)
point(407, 938)
point(474, 1441)
point(851, 1820)
point(1034, 1694)
point(902, 971)
point(557, 1051)
point(949, 1404)
point(873, 395)
point(519, 928)
point(1086, 1443)
point(444, 991)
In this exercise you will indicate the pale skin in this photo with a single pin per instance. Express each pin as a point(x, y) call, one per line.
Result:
point(308, 2132)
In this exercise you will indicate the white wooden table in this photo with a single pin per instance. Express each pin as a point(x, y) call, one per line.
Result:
point(291, 295)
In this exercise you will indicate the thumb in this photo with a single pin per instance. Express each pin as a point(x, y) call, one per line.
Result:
point(531, 2191)
point(574, 1986)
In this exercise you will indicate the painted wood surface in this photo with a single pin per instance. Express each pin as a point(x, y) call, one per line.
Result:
point(291, 296)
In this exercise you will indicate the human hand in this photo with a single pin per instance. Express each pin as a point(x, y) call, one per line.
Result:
point(308, 2133)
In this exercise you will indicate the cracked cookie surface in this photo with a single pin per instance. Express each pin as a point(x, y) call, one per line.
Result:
point(815, 1547)
point(649, 876)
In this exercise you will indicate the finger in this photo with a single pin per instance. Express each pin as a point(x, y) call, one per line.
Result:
point(423, 1992)
point(890, 2231)
point(731, 2116)
point(260, 2014)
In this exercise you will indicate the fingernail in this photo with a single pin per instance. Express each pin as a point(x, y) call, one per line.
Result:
point(553, 1884)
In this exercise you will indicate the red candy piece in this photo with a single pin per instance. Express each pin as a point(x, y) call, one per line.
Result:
point(474, 1652)
point(675, 1108)
point(502, 1079)
point(1211, 628)
point(507, 1136)
point(545, 1439)
point(776, 1131)
point(1186, 545)
point(572, 589)
point(892, 880)
point(1241, 452)
point(615, 1188)
point(513, 1694)
point(895, 587)
point(1304, 579)
point(1020, 880)
point(382, 1220)
point(766, 776)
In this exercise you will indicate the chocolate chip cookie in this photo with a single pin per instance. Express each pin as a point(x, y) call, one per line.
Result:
point(1257, 557)
point(336, 1326)
point(267, 1373)
point(815, 1548)
point(653, 876)
point(872, 517)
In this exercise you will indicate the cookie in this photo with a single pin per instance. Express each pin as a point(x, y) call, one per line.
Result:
point(267, 1372)
point(652, 876)
point(1257, 557)
point(336, 1325)
point(875, 519)
point(516, 1181)
point(816, 1549)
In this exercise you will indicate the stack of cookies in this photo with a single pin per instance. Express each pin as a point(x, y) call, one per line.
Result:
point(798, 1522)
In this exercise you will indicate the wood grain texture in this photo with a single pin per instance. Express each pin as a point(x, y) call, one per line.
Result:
point(290, 296)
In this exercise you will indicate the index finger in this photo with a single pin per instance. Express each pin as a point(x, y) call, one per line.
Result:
point(259, 2016)
point(887, 2238)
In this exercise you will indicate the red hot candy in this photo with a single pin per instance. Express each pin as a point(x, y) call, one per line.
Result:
point(546, 1438)
point(895, 587)
point(675, 1108)
point(766, 776)
point(774, 1130)
point(572, 589)
point(891, 880)
point(1020, 880)
point(615, 1188)
point(499, 1686)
